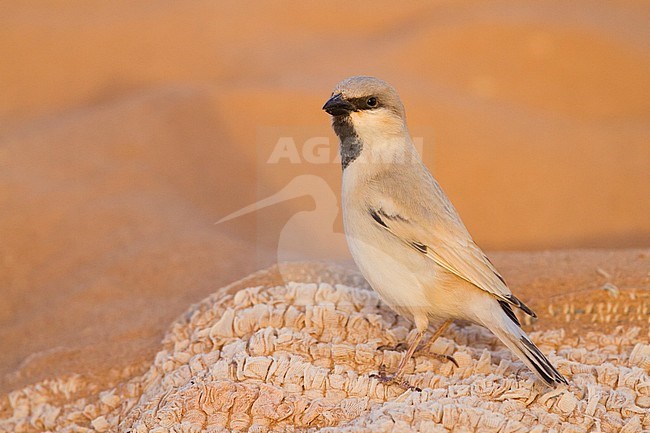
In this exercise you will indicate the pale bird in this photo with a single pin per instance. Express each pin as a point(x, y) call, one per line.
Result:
point(405, 235)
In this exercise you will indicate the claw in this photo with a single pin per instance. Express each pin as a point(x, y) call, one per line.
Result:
point(387, 380)
point(400, 347)
point(446, 358)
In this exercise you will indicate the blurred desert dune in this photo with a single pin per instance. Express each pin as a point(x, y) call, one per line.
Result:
point(127, 129)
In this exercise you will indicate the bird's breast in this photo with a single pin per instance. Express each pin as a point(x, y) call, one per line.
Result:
point(388, 265)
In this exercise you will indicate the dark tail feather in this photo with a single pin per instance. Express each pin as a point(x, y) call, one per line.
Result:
point(516, 302)
point(540, 363)
point(509, 332)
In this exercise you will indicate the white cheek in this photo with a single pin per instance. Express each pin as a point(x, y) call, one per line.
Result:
point(379, 122)
point(383, 134)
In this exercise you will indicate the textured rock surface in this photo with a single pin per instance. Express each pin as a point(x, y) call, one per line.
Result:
point(267, 355)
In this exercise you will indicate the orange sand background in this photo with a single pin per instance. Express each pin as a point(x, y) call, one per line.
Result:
point(127, 130)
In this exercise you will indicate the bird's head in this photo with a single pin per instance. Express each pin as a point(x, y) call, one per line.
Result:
point(366, 113)
point(361, 97)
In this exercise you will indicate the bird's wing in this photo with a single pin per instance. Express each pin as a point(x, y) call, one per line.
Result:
point(444, 239)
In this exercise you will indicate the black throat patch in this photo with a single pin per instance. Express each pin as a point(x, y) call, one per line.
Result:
point(350, 142)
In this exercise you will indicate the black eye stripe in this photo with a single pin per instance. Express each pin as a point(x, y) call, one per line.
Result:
point(362, 103)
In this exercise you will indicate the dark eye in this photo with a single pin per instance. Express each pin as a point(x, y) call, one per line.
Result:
point(372, 102)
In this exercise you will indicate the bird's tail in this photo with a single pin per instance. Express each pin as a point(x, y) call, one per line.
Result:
point(511, 334)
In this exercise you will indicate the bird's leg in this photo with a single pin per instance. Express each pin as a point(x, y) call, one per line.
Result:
point(440, 331)
point(400, 347)
point(408, 355)
point(435, 336)
point(397, 378)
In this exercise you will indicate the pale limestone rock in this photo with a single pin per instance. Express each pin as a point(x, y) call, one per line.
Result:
point(294, 356)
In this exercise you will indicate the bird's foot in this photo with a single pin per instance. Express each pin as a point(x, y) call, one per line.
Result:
point(400, 347)
point(445, 358)
point(440, 357)
point(392, 379)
